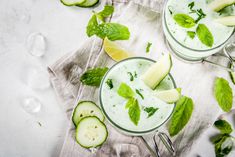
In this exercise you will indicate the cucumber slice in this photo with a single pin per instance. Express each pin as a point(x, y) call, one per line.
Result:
point(227, 21)
point(232, 74)
point(88, 3)
point(85, 109)
point(72, 2)
point(218, 5)
point(169, 96)
point(91, 132)
point(157, 72)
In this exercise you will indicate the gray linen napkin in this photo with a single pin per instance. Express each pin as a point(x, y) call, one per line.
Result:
point(144, 21)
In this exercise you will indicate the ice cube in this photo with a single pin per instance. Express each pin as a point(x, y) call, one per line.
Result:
point(31, 105)
point(36, 44)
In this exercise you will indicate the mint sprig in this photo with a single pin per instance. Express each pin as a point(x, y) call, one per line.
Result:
point(204, 35)
point(125, 91)
point(113, 31)
point(150, 110)
point(184, 20)
point(223, 126)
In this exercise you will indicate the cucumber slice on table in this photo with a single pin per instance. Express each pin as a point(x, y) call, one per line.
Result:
point(157, 72)
point(169, 96)
point(227, 20)
point(84, 109)
point(88, 3)
point(72, 2)
point(91, 132)
point(218, 5)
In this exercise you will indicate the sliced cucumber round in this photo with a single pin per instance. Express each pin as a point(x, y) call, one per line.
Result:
point(91, 132)
point(232, 74)
point(157, 72)
point(218, 5)
point(169, 96)
point(85, 109)
point(72, 2)
point(88, 3)
point(227, 21)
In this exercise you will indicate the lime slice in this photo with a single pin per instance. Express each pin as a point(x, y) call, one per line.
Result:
point(115, 51)
point(169, 96)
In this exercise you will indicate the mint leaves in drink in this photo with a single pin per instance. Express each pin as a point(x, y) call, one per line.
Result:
point(109, 82)
point(204, 35)
point(134, 111)
point(150, 110)
point(148, 47)
point(93, 77)
point(184, 20)
point(181, 115)
point(125, 91)
point(139, 93)
point(223, 126)
point(191, 34)
point(113, 31)
point(223, 94)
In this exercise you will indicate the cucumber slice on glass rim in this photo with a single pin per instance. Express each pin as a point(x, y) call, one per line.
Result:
point(91, 132)
point(227, 20)
point(85, 109)
point(72, 2)
point(218, 5)
point(157, 72)
point(88, 3)
point(169, 96)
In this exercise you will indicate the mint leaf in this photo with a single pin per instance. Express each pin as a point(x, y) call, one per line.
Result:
point(200, 14)
point(93, 77)
point(113, 31)
point(223, 94)
point(191, 34)
point(106, 12)
point(131, 76)
point(191, 5)
point(184, 20)
point(223, 126)
point(181, 115)
point(138, 92)
point(92, 26)
point(109, 82)
point(223, 145)
point(150, 111)
point(148, 47)
point(125, 91)
point(205, 35)
point(130, 102)
point(134, 112)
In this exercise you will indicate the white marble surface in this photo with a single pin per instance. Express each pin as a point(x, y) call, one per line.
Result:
point(64, 29)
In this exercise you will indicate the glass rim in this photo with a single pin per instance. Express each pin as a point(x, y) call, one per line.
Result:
point(209, 49)
point(107, 116)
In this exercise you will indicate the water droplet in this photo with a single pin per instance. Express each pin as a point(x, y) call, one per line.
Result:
point(36, 44)
point(37, 78)
point(74, 74)
point(31, 105)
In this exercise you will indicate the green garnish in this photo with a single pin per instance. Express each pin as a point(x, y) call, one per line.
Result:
point(184, 20)
point(130, 102)
point(150, 110)
point(138, 92)
point(223, 126)
point(134, 112)
point(191, 34)
point(181, 115)
point(93, 77)
point(223, 145)
point(200, 14)
point(204, 35)
point(223, 142)
point(170, 9)
point(132, 76)
point(109, 82)
point(191, 5)
point(125, 91)
point(148, 47)
point(223, 94)
point(113, 31)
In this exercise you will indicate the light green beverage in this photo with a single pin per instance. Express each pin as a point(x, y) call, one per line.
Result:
point(113, 105)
